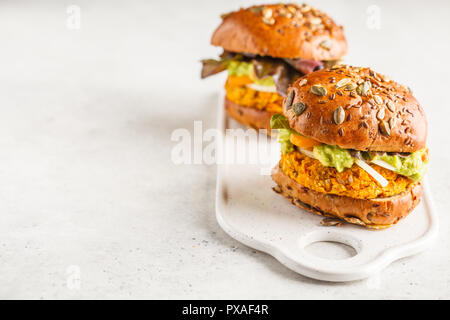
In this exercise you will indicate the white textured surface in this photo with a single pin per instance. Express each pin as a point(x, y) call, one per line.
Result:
point(85, 150)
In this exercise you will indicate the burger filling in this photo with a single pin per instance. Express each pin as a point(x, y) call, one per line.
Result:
point(259, 82)
point(353, 182)
point(238, 91)
point(356, 174)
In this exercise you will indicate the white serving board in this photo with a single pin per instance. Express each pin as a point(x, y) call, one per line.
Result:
point(251, 212)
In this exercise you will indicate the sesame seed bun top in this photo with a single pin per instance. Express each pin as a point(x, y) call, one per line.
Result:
point(281, 31)
point(356, 108)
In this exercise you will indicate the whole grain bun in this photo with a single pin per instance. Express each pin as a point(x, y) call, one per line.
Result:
point(375, 213)
point(281, 31)
point(251, 117)
point(356, 108)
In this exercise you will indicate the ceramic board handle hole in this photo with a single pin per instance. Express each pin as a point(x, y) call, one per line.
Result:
point(331, 250)
point(330, 245)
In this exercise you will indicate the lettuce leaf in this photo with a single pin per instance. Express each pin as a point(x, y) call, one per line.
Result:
point(284, 136)
point(305, 66)
point(263, 70)
point(211, 67)
point(280, 122)
point(281, 73)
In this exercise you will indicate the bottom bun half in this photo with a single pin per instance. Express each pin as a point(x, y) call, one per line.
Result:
point(250, 117)
point(375, 213)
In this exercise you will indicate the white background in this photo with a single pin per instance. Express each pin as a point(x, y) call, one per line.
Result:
point(91, 205)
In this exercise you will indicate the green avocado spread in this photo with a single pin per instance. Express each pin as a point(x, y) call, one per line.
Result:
point(411, 166)
point(333, 156)
point(242, 68)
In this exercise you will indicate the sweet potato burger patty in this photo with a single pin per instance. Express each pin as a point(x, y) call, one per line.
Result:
point(239, 93)
point(353, 182)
